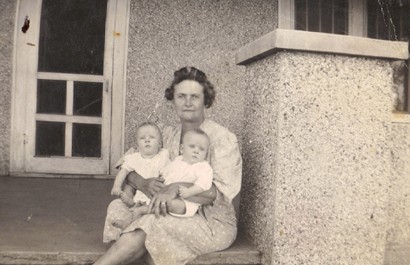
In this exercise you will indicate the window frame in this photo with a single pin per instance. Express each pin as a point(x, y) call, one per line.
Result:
point(357, 12)
point(357, 16)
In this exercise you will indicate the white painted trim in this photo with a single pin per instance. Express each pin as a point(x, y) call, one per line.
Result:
point(119, 82)
point(69, 98)
point(24, 46)
point(16, 137)
point(70, 77)
point(357, 18)
point(286, 14)
point(61, 176)
point(68, 139)
point(282, 39)
point(84, 165)
point(65, 118)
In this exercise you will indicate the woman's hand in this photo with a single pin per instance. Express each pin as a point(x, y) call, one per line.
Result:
point(148, 186)
point(151, 186)
point(160, 200)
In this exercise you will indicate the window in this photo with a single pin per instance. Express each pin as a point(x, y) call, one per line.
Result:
point(390, 20)
point(329, 16)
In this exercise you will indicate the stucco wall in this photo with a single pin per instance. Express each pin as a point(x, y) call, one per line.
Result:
point(317, 158)
point(7, 13)
point(398, 239)
point(167, 35)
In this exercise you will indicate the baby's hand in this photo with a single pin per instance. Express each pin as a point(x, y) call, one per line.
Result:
point(116, 191)
point(183, 192)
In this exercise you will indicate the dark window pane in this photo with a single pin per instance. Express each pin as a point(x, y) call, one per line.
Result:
point(340, 17)
point(326, 10)
point(88, 99)
point(405, 17)
point(86, 140)
point(372, 18)
point(51, 96)
point(300, 16)
point(322, 16)
point(388, 20)
point(72, 36)
point(382, 27)
point(394, 22)
point(50, 138)
point(313, 15)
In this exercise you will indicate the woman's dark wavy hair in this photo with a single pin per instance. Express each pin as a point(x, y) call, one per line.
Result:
point(192, 73)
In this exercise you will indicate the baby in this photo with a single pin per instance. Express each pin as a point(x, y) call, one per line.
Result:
point(190, 167)
point(149, 159)
point(147, 162)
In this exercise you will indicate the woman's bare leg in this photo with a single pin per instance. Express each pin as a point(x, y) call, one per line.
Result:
point(129, 248)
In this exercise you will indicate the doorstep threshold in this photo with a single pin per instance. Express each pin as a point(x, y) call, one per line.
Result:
point(60, 176)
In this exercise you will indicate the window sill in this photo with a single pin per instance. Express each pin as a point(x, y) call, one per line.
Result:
point(401, 117)
point(283, 39)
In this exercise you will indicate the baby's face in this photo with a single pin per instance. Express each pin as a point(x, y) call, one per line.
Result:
point(194, 148)
point(148, 141)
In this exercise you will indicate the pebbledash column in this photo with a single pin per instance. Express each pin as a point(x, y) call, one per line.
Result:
point(317, 157)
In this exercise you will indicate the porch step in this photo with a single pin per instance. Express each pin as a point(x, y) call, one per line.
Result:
point(240, 253)
point(60, 221)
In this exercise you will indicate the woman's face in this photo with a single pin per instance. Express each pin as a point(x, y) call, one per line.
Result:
point(189, 101)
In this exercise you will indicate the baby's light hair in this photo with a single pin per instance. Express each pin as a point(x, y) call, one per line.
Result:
point(148, 123)
point(198, 131)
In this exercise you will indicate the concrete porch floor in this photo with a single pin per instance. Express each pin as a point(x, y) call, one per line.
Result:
point(60, 221)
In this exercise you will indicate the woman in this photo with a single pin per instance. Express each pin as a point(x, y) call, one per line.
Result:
point(172, 240)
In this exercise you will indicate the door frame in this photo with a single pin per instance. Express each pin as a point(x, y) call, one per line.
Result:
point(23, 42)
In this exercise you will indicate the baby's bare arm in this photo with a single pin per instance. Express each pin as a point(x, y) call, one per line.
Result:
point(206, 197)
point(185, 192)
point(119, 180)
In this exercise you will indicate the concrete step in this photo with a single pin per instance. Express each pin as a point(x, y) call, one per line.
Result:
point(240, 253)
point(60, 221)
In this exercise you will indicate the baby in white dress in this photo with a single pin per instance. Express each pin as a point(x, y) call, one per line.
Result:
point(147, 161)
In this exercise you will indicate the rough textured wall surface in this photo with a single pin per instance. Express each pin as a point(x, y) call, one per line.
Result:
point(7, 13)
point(398, 239)
point(260, 145)
point(167, 35)
point(317, 178)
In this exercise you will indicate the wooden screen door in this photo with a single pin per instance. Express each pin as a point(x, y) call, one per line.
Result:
point(69, 49)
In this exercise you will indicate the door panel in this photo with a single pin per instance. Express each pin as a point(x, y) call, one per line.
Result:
point(63, 77)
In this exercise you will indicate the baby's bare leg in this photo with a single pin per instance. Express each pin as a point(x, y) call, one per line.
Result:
point(127, 195)
point(137, 212)
point(177, 206)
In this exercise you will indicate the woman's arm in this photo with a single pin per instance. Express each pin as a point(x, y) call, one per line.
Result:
point(159, 201)
point(206, 197)
point(148, 186)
